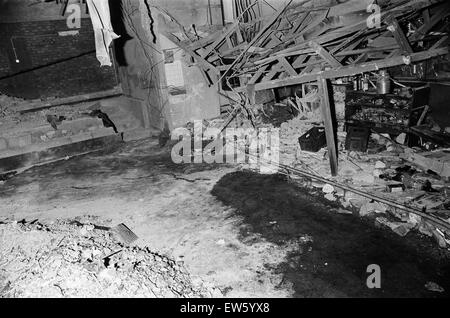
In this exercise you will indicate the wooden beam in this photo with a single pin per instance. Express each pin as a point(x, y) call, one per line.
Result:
point(258, 74)
point(259, 36)
point(287, 67)
point(361, 59)
point(399, 36)
point(439, 42)
point(203, 42)
point(424, 29)
point(323, 53)
point(343, 44)
point(221, 38)
point(299, 61)
point(352, 70)
point(325, 106)
point(276, 68)
point(426, 16)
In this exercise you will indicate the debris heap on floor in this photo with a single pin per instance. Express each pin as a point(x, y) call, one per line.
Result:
point(67, 258)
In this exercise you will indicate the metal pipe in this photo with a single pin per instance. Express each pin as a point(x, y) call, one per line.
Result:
point(437, 222)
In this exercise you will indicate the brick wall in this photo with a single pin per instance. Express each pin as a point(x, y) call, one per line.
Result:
point(37, 45)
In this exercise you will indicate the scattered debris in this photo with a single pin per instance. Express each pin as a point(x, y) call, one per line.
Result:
point(61, 260)
point(221, 242)
point(380, 165)
point(328, 188)
point(399, 228)
point(330, 197)
point(431, 286)
point(342, 211)
point(439, 237)
point(372, 207)
point(55, 121)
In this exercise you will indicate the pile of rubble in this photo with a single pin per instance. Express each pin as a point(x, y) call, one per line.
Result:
point(74, 259)
point(388, 169)
point(410, 177)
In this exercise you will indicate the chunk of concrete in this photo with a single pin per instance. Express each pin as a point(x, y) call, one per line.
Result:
point(372, 207)
point(380, 165)
point(330, 197)
point(439, 237)
point(328, 188)
point(399, 228)
point(401, 138)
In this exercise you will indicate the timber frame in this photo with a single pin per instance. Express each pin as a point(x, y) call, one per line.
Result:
point(302, 43)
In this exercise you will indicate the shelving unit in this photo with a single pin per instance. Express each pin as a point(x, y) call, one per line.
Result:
point(389, 113)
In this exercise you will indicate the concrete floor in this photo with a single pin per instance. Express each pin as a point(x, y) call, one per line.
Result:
point(250, 235)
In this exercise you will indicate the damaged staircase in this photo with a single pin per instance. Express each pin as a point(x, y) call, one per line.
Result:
point(36, 141)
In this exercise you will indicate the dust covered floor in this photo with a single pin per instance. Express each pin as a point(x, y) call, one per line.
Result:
point(246, 234)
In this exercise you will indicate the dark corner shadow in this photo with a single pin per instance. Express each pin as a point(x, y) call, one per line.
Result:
point(118, 24)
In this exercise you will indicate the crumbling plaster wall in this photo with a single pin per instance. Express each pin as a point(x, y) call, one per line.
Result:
point(143, 70)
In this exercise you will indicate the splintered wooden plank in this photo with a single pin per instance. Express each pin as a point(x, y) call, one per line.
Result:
point(299, 61)
point(203, 42)
point(346, 42)
point(276, 68)
point(287, 67)
point(299, 23)
point(258, 74)
point(361, 59)
point(229, 42)
point(261, 36)
point(351, 70)
point(323, 53)
point(239, 36)
point(307, 70)
point(435, 19)
point(274, 41)
point(439, 42)
point(305, 26)
point(316, 21)
point(399, 36)
point(221, 38)
point(426, 16)
point(357, 26)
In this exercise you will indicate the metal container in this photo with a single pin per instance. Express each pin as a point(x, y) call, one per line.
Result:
point(355, 84)
point(383, 83)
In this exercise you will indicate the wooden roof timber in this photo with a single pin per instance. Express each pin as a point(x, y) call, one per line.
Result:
point(338, 45)
point(402, 42)
point(352, 70)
